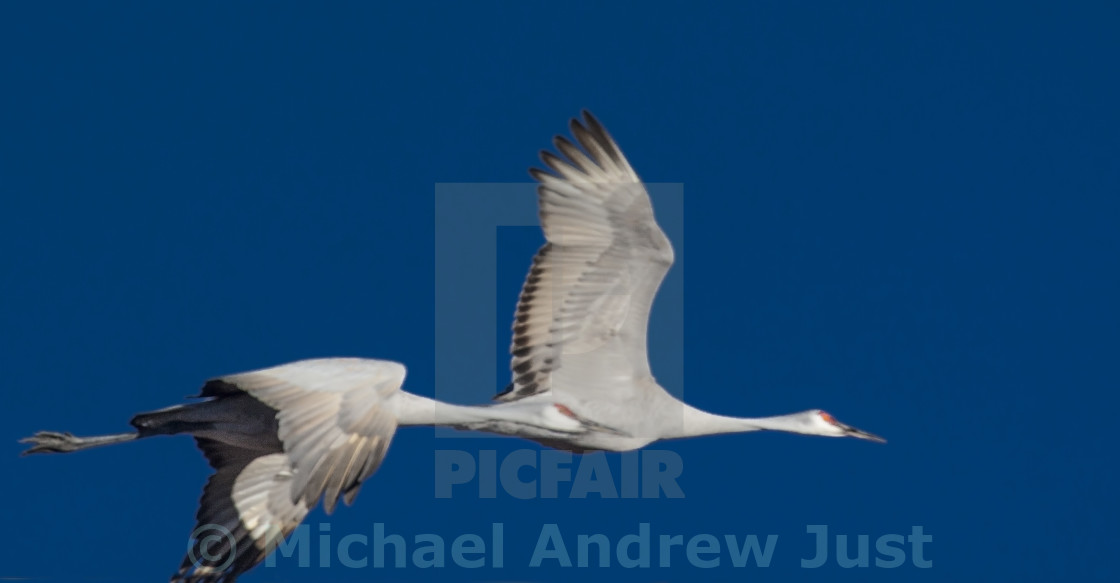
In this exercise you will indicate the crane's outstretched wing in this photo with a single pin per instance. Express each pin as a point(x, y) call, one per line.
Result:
point(332, 422)
point(334, 431)
point(585, 304)
point(245, 512)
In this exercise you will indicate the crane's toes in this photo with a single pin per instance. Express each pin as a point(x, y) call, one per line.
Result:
point(51, 442)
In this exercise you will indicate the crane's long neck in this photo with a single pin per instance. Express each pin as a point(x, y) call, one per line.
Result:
point(418, 410)
point(695, 423)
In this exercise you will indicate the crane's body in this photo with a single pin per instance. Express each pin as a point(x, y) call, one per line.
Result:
point(283, 438)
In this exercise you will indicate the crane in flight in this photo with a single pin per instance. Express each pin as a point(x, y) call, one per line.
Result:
point(283, 438)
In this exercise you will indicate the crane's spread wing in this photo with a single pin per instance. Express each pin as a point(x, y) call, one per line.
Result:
point(334, 431)
point(587, 298)
point(245, 512)
point(332, 420)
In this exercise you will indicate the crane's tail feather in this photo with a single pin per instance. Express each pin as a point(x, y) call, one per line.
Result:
point(65, 442)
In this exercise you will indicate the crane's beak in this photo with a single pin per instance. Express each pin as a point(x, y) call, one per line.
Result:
point(847, 430)
point(850, 431)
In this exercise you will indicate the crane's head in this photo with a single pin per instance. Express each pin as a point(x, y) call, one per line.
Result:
point(824, 424)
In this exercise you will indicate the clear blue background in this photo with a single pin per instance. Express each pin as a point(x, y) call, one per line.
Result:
point(904, 213)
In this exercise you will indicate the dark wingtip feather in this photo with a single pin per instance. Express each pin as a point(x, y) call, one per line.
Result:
point(596, 128)
point(564, 145)
point(590, 119)
point(538, 174)
point(602, 136)
point(552, 161)
point(572, 154)
point(575, 127)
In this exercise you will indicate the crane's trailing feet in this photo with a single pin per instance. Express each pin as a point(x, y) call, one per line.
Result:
point(64, 442)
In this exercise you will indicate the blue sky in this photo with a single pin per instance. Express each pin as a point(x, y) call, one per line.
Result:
point(902, 213)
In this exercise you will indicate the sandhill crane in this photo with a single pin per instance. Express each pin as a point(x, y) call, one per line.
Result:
point(282, 438)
